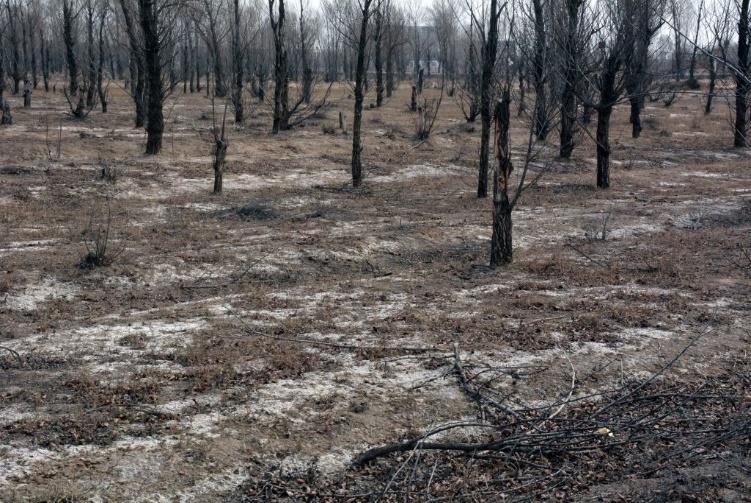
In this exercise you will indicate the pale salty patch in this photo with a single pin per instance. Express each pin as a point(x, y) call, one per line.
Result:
point(26, 246)
point(419, 171)
point(100, 345)
point(48, 289)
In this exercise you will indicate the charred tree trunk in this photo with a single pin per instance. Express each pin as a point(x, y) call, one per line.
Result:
point(692, 82)
point(91, 79)
point(237, 66)
point(712, 68)
point(359, 94)
point(741, 78)
point(568, 99)
point(45, 54)
point(14, 44)
point(220, 154)
point(153, 67)
point(501, 245)
point(489, 53)
point(538, 74)
point(137, 66)
point(281, 79)
point(307, 71)
point(32, 47)
point(608, 97)
point(378, 43)
point(220, 90)
point(100, 69)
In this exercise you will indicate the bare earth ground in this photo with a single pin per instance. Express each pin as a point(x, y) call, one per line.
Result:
point(176, 373)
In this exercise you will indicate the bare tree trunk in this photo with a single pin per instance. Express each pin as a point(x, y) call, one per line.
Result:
point(359, 95)
point(219, 87)
point(678, 41)
point(501, 245)
point(378, 39)
point(540, 113)
point(489, 53)
point(32, 46)
point(137, 66)
point(91, 85)
point(45, 62)
point(100, 69)
point(692, 82)
point(237, 66)
point(153, 67)
point(281, 79)
point(14, 43)
point(571, 62)
point(712, 68)
point(741, 77)
point(307, 72)
point(608, 97)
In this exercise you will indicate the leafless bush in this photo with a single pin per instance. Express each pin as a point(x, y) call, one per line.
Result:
point(108, 172)
point(597, 229)
point(48, 140)
point(328, 129)
point(97, 237)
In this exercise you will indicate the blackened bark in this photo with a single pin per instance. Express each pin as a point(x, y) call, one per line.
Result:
point(603, 147)
point(489, 53)
point(712, 68)
point(219, 87)
point(220, 154)
point(45, 54)
point(152, 65)
point(237, 66)
point(359, 95)
point(100, 69)
point(137, 66)
point(91, 80)
point(32, 47)
point(741, 78)
point(608, 97)
point(538, 73)
point(14, 43)
point(501, 245)
point(281, 79)
point(378, 39)
point(571, 62)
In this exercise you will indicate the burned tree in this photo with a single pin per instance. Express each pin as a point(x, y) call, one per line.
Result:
point(13, 15)
point(365, 8)
point(91, 77)
point(489, 54)
point(539, 77)
point(137, 64)
point(378, 36)
point(643, 21)
point(501, 244)
point(101, 90)
point(615, 53)
point(238, 65)
point(742, 77)
point(152, 45)
point(281, 79)
point(73, 93)
point(307, 71)
point(571, 48)
point(692, 82)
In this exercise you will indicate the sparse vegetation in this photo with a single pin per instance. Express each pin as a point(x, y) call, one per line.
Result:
point(298, 338)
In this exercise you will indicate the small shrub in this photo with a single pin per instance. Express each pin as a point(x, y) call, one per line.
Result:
point(328, 129)
point(97, 239)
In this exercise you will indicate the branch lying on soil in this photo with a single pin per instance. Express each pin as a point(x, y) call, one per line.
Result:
point(631, 416)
